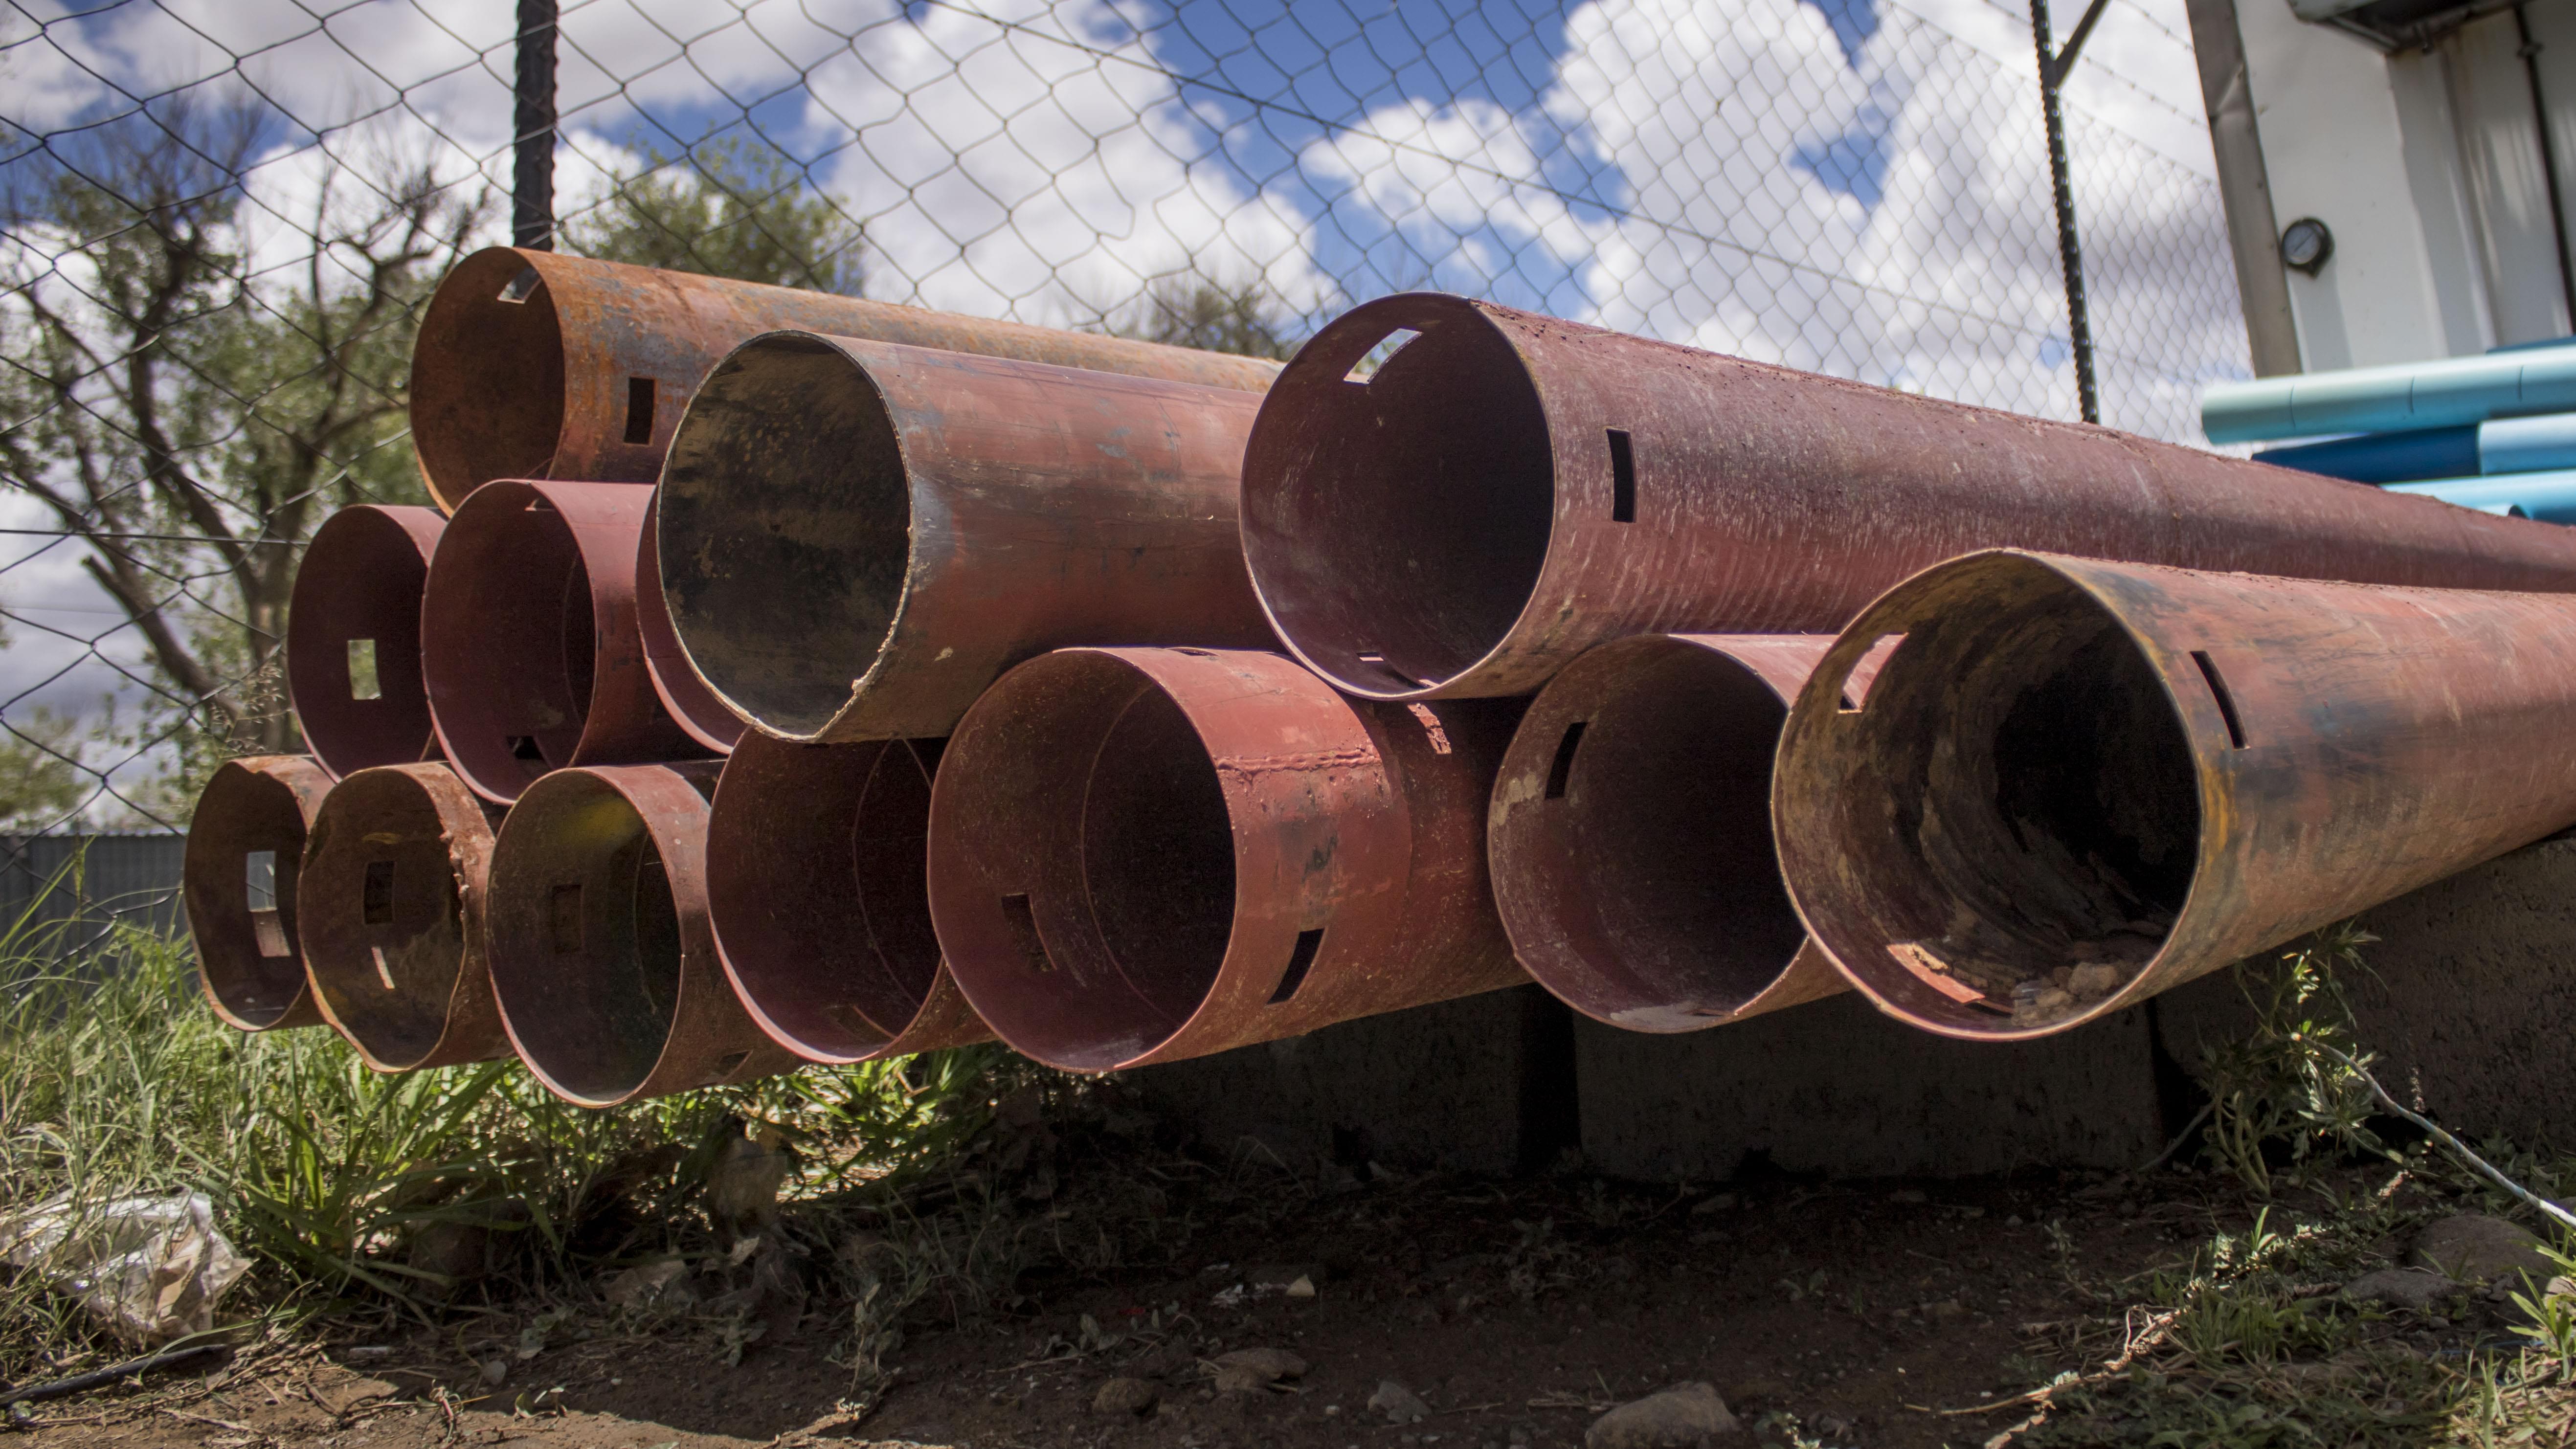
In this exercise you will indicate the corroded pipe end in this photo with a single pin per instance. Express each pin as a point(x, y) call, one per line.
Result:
point(238, 877)
point(1630, 834)
point(1997, 840)
point(353, 638)
point(529, 640)
point(698, 710)
point(815, 885)
point(392, 892)
point(487, 377)
point(1396, 519)
point(1141, 855)
point(603, 962)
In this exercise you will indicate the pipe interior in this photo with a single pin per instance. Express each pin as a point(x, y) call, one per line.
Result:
point(353, 644)
point(1396, 527)
point(1083, 860)
point(588, 965)
point(515, 659)
point(487, 378)
point(240, 867)
point(1663, 825)
point(815, 881)
point(384, 929)
point(2046, 810)
point(785, 521)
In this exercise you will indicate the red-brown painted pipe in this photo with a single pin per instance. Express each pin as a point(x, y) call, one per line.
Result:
point(396, 871)
point(1140, 855)
point(353, 638)
point(535, 364)
point(1630, 836)
point(1509, 490)
point(858, 537)
point(529, 638)
point(694, 707)
point(2074, 784)
point(602, 957)
point(237, 875)
point(815, 884)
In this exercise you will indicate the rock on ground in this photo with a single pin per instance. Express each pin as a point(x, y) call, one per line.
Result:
point(1131, 1397)
point(2419, 1289)
point(1681, 1417)
point(2475, 1248)
point(1400, 1404)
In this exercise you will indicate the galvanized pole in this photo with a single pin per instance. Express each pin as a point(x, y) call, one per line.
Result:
point(532, 182)
point(2053, 66)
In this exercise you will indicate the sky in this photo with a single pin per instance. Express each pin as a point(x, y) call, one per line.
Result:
point(1853, 186)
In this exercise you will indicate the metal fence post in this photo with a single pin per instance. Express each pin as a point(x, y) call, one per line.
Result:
point(2053, 66)
point(532, 189)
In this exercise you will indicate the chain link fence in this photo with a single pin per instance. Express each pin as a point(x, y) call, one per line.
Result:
point(219, 220)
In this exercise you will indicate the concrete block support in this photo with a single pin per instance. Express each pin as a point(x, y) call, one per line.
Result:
point(1483, 1084)
point(1834, 1087)
point(2470, 999)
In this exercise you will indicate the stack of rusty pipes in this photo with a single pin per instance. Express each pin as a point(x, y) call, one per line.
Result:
point(939, 691)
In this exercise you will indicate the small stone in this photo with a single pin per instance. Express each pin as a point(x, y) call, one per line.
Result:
point(2418, 1290)
point(1400, 1404)
point(2475, 1248)
point(1304, 1287)
point(1131, 1398)
point(1682, 1417)
point(2093, 981)
point(661, 1283)
point(495, 1369)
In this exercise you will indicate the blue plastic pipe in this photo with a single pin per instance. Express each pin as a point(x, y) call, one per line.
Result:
point(2499, 445)
point(2446, 394)
point(2549, 497)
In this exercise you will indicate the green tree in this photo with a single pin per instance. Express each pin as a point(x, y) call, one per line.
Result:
point(733, 207)
point(1193, 311)
point(191, 422)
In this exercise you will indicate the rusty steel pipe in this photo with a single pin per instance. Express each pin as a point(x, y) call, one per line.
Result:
point(694, 707)
point(396, 872)
point(1630, 836)
point(529, 638)
point(858, 537)
point(2074, 784)
point(353, 638)
point(1508, 490)
point(535, 364)
point(1140, 855)
point(237, 877)
point(815, 885)
point(602, 958)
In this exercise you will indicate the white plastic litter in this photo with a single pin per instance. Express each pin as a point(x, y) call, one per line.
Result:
point(149, 1268)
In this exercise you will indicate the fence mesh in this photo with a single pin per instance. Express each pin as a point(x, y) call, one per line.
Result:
point(220, 218)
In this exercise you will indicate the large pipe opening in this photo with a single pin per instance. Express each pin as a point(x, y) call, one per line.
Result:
point(1087, 897)
point(785, 519)
point(487, 377)
point(508, 646)
point(353, 639)
point(1396, 520)
point(2015, 821)
point(586, 939)
point(1632, 837)
point(386, 933)
point(816, 885)
point(239, 877)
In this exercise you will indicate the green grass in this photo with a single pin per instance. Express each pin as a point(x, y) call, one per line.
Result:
point(116, 1080)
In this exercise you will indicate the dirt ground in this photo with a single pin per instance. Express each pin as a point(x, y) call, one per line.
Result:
point(1881, 1314)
